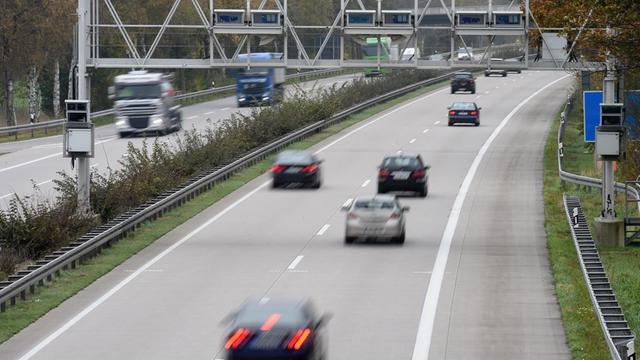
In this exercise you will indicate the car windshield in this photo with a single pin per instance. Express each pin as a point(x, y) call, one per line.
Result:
point(254, 71)
point(463, 106)
point(294, 158)
point(374, 204)
point(398, 162)
point(147, 91)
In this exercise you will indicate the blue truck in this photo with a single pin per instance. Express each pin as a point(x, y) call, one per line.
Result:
point(258, 85)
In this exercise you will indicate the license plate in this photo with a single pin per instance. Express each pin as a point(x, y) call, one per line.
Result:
point(373, 231)
point(293, 170)
point(463, 113)
point(401, 175)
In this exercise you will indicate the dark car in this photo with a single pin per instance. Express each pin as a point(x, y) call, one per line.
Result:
point(403, 172)
point(276, 329)
point(463, 81)
point(299, 167)
point(464, 112)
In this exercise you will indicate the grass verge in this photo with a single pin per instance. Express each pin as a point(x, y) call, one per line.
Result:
point(584, 336)
point(71, 282)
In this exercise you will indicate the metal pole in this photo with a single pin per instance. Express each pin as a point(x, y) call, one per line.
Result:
point(453, 31)
point(608, 191)
point(526, 35)
point(84, 205)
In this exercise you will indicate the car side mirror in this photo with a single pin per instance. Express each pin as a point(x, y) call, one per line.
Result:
point(480, 108)
point(324, 320)
point(405, 209)
point(449, 107)
point(427, 167)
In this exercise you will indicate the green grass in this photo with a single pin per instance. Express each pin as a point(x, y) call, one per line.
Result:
point(585, 339)
point(72, 281)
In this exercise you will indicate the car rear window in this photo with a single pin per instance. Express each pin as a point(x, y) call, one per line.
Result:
point(463, 76)
point(294, 158)
point(256, 315)
point(398, 162)
point(463, 106)
point(374, 204)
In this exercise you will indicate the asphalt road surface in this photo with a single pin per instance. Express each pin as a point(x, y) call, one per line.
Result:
point(472, 280)
point(38, 161)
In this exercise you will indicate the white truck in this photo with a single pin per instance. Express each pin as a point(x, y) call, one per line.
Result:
point(145, 103)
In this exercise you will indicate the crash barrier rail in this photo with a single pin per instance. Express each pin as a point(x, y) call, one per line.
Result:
point(89, 244)
point(631, 223)
point(619, 337)
point(580, 179)
point(15, 130)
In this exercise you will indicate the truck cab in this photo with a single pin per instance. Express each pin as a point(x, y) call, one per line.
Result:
point(145, 103)
point(257, 85)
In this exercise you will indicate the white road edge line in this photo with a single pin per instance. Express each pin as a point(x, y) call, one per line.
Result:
point(412, 141)
point(210, 113)
point(323, 229)
point(366, 182)
point(44, 182)
point(295, 262)
point(427, 318)
point(168, 250)
point(437, 122)
point(191, 117)
point(5, 196)
point(347, 203)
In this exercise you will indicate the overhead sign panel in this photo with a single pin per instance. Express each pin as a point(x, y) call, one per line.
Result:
point(591, 101)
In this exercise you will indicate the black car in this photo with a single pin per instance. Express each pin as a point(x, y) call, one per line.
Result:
point(276, 329)
point(403, 172)
point(463, 81)
point(464, 112)
point(299, 167)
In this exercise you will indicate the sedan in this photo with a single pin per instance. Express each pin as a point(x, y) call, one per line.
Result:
point(403, 172)
point(276, 329)
point(464, 112)
point(377, 216)
point(299, 167)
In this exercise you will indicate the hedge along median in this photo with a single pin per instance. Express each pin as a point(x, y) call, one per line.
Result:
point(70, 282)
point(33, 227)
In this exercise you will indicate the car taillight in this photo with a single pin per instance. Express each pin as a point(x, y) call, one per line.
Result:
point(298, 339)
point(395, 215)
point(474, 113)
point(278, 168)
point(418, 174)
point(309, 169)
point(352, 216)
point(384, 173)
point(452, 112)
point(236, 340)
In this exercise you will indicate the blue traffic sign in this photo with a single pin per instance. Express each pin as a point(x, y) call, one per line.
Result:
point(591, 104)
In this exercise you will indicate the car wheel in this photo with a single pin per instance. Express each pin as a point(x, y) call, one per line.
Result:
point(316, 185)
point(486, 74)
point(123, 135)
point(450, 123)
point(349, 239)
point(477, 123)
point(504, 74)
point(275, 185)
point(424, 192)
point(473, 91)
point(381, 190)
point(399, 239)
point(453, 91)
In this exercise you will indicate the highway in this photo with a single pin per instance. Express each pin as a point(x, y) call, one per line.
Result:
point(38, 161)
point(472, 280)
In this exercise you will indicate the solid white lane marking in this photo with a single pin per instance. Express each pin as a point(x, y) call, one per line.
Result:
point(192, 117)
point(437, 122)
point(44, 146)
point(295, 262)
point(478, 97)
point(66, 326)
point(210, 113)
point(377, 119)
point(347, 203)
point(5, 196)
point(412, 141)
point(427, 318)
point(44, 182)
point(425, 131)
point(323, 229)
point(366, 182)
point(224, 109)
point(134, 275)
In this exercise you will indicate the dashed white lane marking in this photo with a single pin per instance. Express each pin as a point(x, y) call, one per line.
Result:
point(427, 318)
point(295, 262)
point(347, 203)
point(437, 122)
point(412, 141)
point(323, 229)
point(366, 182)
point(210, 113)
point(191, 117)
point(224, 109)
point(478, 97)
point(486, 92)
point(425, 131)
point(44, 182)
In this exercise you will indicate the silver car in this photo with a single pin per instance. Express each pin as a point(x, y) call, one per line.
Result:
point(377, 216)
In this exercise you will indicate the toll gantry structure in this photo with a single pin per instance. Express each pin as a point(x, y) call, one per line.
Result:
point(198, 34)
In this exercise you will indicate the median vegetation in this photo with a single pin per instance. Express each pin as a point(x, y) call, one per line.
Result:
point(34, 226)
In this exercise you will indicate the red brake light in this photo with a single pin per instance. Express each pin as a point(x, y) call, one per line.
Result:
point(474, 113)
point(278, 168)
point(236, 340)
point(298, 339)
point(352, 216)
point(452, 112)
point(395, 215)
point(417, 174)
point(310, 168)
point(384, 173)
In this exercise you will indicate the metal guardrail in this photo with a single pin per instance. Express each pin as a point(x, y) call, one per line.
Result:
point(619, 337)
point(18, 284)
point(15, 130)
point(580, 179)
